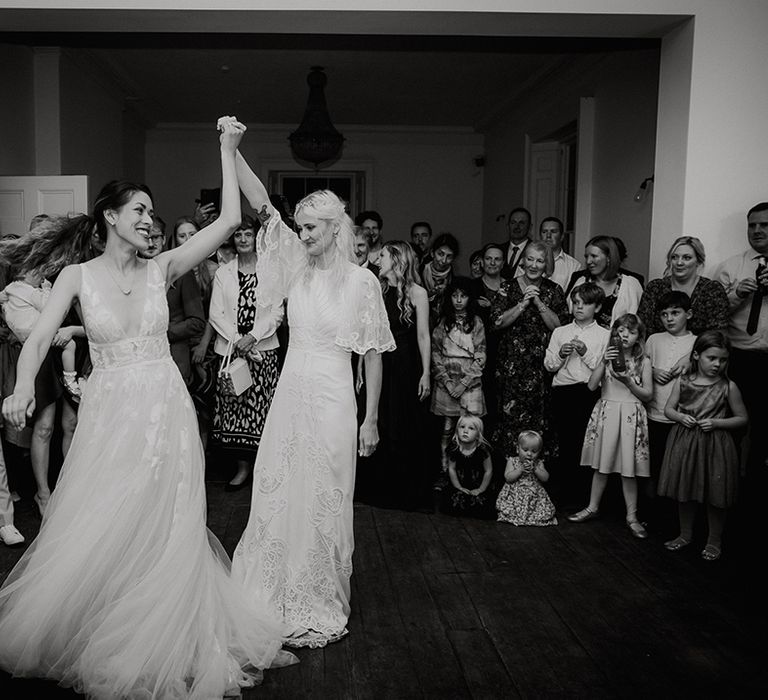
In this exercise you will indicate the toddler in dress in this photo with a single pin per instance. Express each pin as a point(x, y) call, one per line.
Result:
point(523, 500)
point(469, 470)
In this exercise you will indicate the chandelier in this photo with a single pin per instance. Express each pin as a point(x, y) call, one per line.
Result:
point(316, 140)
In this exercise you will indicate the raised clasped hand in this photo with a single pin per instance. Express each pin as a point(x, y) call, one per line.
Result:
point(231, 132)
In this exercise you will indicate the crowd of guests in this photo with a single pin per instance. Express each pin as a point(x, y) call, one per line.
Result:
point(513, 393)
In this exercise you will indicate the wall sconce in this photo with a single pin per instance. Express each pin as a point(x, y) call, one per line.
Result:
point(642, 191)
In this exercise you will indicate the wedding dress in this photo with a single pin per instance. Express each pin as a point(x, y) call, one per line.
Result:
point(296, 551)
point(125, 593)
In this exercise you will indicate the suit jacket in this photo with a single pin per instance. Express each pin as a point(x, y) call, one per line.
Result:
point(186, 320)
point(511, 271)
point(223, 313)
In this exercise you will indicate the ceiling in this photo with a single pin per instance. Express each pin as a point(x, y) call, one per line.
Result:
point(406, 80)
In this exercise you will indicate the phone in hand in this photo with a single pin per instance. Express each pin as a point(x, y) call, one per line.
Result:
point(212, 196)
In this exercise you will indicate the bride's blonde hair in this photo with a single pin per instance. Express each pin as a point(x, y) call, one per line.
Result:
point(328, 206)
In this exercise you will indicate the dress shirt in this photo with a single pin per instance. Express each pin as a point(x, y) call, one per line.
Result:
point(665, 351)
point(565, 266)
point(728, 273)
point(575, 369)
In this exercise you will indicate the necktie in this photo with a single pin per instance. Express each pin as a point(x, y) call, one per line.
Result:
point(513, 258)
point(757, 300)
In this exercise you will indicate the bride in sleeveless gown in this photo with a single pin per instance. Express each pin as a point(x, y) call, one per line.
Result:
point(125, 593)
point(296, 551)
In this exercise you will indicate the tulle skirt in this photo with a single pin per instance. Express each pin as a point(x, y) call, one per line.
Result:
point(125, 593)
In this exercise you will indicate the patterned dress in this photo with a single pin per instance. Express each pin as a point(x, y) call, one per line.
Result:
point(296, 552)
point(523, 382)
point(616, 440)
point(525, 501)
point(701, 466)
point(239, 420)
point(458, 357)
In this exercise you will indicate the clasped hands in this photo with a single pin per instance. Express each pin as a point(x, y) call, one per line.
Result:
point(573, 345)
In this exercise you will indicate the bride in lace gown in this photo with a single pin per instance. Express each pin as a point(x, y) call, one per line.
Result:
point(124, 593)
point(296, 551)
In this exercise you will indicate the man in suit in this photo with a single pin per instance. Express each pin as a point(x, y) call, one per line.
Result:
point(518, 229)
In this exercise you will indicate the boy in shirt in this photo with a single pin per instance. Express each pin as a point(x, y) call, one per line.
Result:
point(573, 352)
point(669, 352)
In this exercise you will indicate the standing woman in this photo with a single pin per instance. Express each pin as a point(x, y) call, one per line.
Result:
point(184, 229)
point(296, 552)
point(398, 467)
point(525, 312)
point(622, 292)
point(709, 302)
point(238, 421)
point(125, 593)
point(485, 290)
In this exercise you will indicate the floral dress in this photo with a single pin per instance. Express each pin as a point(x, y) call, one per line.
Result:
point(525, 501)
point(523, 382)
point(616, 440)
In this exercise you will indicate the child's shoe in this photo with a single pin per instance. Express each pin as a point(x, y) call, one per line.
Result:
point(10, 536)
point(69, 379)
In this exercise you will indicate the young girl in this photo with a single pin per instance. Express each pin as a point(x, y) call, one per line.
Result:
point(458, 358)
point(23, 301)
point(469, 469)
point(523, 500)
point(701, 464)
point(616, 441)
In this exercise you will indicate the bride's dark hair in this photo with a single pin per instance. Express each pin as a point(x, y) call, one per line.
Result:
point(59, 241)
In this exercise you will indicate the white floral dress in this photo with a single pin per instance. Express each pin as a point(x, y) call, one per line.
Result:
point(296, 551)
point(125, 593)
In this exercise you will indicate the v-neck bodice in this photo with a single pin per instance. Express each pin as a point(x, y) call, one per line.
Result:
point(111, 342)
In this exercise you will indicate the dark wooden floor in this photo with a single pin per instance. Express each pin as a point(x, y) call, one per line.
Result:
point(445, 607)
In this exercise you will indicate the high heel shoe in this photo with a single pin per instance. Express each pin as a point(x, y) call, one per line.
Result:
point(583, 515)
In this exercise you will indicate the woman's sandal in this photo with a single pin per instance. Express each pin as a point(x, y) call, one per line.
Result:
point(583, 515)
point(677, 544)
point(637, 529)
point(710, 553)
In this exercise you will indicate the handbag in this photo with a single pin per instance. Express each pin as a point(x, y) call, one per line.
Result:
point(234, 375)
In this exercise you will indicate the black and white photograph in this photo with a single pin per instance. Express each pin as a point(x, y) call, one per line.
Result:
point(383, 350)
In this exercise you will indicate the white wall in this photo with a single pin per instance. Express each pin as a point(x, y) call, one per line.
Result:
point(17, 122)
point(91, 126)
point(623, 85)
point(417, 174)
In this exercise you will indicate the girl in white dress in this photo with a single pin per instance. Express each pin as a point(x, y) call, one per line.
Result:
point(296, 551)
point(124, 593)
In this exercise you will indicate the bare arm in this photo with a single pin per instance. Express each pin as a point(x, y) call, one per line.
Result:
point(487, 474)
point(513, 471)
point(670, 409)
point(21, 404)
point(421, 304)
point(179, 260)
point(369, 430)
point(252, 187)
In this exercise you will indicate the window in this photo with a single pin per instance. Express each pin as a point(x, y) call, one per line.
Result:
point(349, 185)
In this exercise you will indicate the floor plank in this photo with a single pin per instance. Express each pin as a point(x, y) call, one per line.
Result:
point(448, 607)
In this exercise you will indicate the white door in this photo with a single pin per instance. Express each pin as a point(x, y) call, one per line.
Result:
point(21, 198)
point(547, 165)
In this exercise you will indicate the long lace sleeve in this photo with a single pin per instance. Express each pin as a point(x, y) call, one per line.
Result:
point(366, 326)
point(281, 258)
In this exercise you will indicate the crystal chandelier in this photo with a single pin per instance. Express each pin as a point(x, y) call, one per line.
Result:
point(316, 140)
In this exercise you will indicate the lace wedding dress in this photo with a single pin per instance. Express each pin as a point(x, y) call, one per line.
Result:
point(125, 593)
point(296, 551)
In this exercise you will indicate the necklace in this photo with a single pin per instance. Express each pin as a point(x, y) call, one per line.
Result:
point(117, 284)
